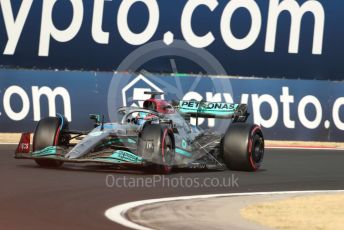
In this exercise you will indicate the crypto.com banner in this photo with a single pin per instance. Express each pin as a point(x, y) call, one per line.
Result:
point(262, 38)
point(286, 109)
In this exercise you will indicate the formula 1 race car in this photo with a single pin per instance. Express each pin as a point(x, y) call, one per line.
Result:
point(156, 137)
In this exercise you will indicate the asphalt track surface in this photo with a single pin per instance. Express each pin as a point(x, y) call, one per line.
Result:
point(76, 196)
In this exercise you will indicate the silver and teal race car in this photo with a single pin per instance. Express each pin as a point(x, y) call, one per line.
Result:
point(158, 137)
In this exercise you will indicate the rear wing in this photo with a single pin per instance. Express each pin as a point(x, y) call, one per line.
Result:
point(237, 112)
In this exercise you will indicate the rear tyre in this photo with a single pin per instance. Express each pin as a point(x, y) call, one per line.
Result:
point(47, 134)
point(156, 145)
point(243, 147)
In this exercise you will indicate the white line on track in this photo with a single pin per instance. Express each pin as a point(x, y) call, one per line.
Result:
point(304, 148)
point(118, 213)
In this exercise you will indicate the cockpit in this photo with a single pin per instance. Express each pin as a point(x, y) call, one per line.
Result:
point(136, 116)
point(151, 109)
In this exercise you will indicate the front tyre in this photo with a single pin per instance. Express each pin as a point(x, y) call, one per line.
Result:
point(156, 146)
point(47, 134)
point(243, 147)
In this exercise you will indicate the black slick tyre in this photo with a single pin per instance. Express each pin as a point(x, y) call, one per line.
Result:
point(243, 147)
point(156, 146)
point(47, 134)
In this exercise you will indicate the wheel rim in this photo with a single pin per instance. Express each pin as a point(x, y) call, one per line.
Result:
point(258, 150)
point(168, 150)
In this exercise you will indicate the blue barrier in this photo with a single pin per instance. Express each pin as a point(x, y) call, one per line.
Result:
point(244, 37)
point(286, 109)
